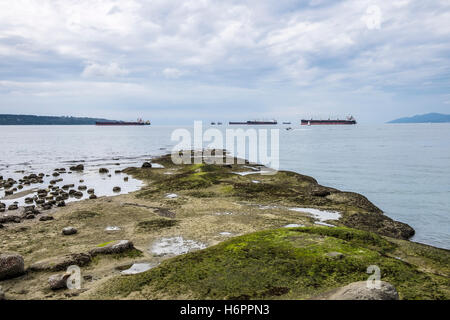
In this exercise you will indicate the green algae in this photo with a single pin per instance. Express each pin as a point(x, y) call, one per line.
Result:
point(288, 263)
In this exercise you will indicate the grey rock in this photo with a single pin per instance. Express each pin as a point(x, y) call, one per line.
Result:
point(58, 281)
point(113, 247)
point(69, 231)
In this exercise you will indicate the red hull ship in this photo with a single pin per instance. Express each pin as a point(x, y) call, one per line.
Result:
point(349, 121)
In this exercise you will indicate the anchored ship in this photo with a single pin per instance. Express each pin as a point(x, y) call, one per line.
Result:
point(349, 120)
point(139, 122)
point(255, 122)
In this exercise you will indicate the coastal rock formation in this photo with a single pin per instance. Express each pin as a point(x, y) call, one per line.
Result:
point(380, 224)
point(360, 291)
point(61, 263)
point(11, 265)
point(113, 247)
point(2, 294)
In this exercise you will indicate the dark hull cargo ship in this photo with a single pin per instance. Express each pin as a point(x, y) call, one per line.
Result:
point(349, 120)
point(140, 122)
point(254, 122)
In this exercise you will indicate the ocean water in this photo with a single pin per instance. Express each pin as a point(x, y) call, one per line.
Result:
point(403, 169)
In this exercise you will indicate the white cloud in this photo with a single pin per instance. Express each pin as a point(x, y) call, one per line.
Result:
point(103, 70)
point(172, 73)
point(271, 46)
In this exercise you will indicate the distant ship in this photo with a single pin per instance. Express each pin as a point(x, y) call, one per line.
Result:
point(349, 120)
point(139, 122)
point(254, 122)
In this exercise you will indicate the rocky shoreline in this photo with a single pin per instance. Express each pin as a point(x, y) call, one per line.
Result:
point(298, 239)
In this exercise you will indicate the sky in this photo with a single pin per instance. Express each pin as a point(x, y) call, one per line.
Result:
point(173, 61)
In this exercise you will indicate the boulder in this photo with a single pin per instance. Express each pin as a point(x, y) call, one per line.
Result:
point(360, 291)
point(58, 281)
point(113, 247)
point(2, 294)
point(92, 197)
point(69, 231)
point(125, 179)
point(79, 167)
point(13, 207)
point(103, 170)
point(61, 263)
point(11, 265)
point(117, 189)
point(82, 187)
point(90, 191)
point(146, 165)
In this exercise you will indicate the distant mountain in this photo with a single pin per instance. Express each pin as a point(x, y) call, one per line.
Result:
point(16, 119)
point(424, 118)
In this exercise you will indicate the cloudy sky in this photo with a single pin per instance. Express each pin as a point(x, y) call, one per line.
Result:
point(176, 61)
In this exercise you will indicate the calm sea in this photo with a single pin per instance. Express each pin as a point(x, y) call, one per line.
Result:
point(403, 169)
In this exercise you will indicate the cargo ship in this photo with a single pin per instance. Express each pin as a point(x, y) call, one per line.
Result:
point(254, 122)
point(349, 120)
point(139, 122)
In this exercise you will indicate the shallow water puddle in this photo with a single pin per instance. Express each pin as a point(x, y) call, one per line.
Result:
point(223, 213)
point(293, 225)
point(321, 215)
point(226, 234)
point(171, 196)
point(175, 246)
point(112, 228)
point(139, 268)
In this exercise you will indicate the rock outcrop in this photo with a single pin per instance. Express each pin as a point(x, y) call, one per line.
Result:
point(61, 263)
point(360, 291)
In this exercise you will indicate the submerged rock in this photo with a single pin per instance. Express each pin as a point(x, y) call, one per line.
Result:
point(11, 265)
point(360, 291)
